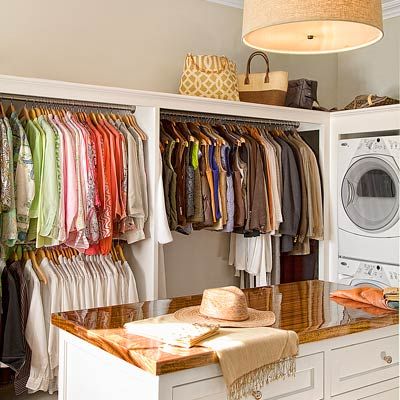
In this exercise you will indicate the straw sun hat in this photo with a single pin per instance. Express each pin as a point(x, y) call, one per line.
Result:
point(226, 307)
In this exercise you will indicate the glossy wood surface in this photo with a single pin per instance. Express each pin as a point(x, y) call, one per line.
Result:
point(304, 307)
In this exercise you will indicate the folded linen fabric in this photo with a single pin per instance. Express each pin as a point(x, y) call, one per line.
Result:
point(391, 294)
point(356, 305)
point(366, 295)
point(174, 333)
point(394, 305)
point(249, 357)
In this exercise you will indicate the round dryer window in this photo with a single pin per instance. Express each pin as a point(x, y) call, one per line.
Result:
point(370, 194)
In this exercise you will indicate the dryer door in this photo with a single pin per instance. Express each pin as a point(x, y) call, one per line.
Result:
point(370, 194)
point(367, 283)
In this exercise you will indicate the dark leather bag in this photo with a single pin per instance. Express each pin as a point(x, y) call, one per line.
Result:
point(302, 93)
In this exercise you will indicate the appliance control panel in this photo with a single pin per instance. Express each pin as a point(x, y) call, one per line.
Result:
point(372, 145)
point(388, 274)
point(394, 144)
point(370, 270)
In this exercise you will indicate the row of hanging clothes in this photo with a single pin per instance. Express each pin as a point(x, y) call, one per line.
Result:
point(72, 184)
point(256, 180)
point(71, 176)
point(37, 283)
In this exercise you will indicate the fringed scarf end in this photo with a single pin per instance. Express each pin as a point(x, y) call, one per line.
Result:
point(255, 380)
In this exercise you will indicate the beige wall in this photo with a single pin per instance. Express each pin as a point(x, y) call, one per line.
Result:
point(132, 43)
point(373, 70)
point(129, 43)
point(322, 68)
point(197, 262)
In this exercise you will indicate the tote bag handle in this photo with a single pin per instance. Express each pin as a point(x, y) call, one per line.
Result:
point(265, 57)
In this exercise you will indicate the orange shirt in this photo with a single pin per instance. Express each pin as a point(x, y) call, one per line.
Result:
point(107, 217)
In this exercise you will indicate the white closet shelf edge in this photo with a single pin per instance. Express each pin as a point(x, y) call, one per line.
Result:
point(78, 91)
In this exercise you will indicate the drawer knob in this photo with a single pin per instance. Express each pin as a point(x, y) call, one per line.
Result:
point(386, 358)
point(257, 394)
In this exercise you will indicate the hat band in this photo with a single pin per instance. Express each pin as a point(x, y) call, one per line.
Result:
point(225, 319)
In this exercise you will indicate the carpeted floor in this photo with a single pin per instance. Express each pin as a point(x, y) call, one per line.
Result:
point(7, 393)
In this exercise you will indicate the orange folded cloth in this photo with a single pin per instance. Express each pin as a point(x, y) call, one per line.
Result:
point(366, 295)
point(362, 306)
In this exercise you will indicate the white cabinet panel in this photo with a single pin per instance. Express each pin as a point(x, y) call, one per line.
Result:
point(364, 364)
point(387, 395)
point(387, 390)
point(307, 385)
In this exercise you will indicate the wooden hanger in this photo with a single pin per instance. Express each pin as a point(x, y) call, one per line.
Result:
point(61, 114)
point(213, 132)
point(120, 252)
point(2, 112)
point(179, 134)
point(50, 255)
point(93, 117)
point(113, 117)
point(64, 251)
point(40, 255)
point(67, 252)
point(24, 114)
point(139, 130)
point(196, 131)
point(182, 127)
point(173, 132)
point(14, 255)
point(10, 109)
point(112, 254)
point(236, 130)
point(32, 114)
point(229, 136)
point(56, 252)
point(37, 267)
point(207, 131)
point(165, 135)
point(125, 120)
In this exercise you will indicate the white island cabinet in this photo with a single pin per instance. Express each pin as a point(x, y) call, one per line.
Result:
point(353, 367)
point(344, 354)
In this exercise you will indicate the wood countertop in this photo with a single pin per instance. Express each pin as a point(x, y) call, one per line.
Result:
point(304, 307)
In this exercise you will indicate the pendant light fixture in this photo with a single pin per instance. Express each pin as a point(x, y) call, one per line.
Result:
point(311, 26)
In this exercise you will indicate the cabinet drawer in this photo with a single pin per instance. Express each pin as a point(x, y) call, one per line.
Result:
point(387, 390)
point(364, 364)
point(307, 385)
point(392, 394)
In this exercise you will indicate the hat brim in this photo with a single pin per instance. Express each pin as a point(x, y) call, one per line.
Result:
point(256, 318)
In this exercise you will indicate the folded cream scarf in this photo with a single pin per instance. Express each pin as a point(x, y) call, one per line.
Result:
point(249, 357)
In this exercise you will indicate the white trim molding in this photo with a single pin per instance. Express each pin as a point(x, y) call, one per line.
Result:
point(390, 8)
point(229, 3)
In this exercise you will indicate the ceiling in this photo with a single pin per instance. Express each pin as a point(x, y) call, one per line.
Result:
point(391, 8)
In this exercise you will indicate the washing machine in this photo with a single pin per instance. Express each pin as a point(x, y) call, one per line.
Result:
point(368, 198)
point(363, 273)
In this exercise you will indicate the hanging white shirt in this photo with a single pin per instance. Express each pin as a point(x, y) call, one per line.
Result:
point(51, 296)
point(132, 288)
point(35, 334)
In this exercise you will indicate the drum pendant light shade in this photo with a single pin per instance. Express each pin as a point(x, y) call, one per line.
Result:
point(311, 26)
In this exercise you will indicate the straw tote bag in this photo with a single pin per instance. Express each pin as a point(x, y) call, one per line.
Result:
point(209, 76)
point(265, 88)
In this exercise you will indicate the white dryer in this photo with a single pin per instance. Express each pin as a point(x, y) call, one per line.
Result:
point(368, 201)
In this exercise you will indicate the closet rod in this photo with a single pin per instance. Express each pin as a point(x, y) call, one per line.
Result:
point(218, 118)
point(65, 102)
